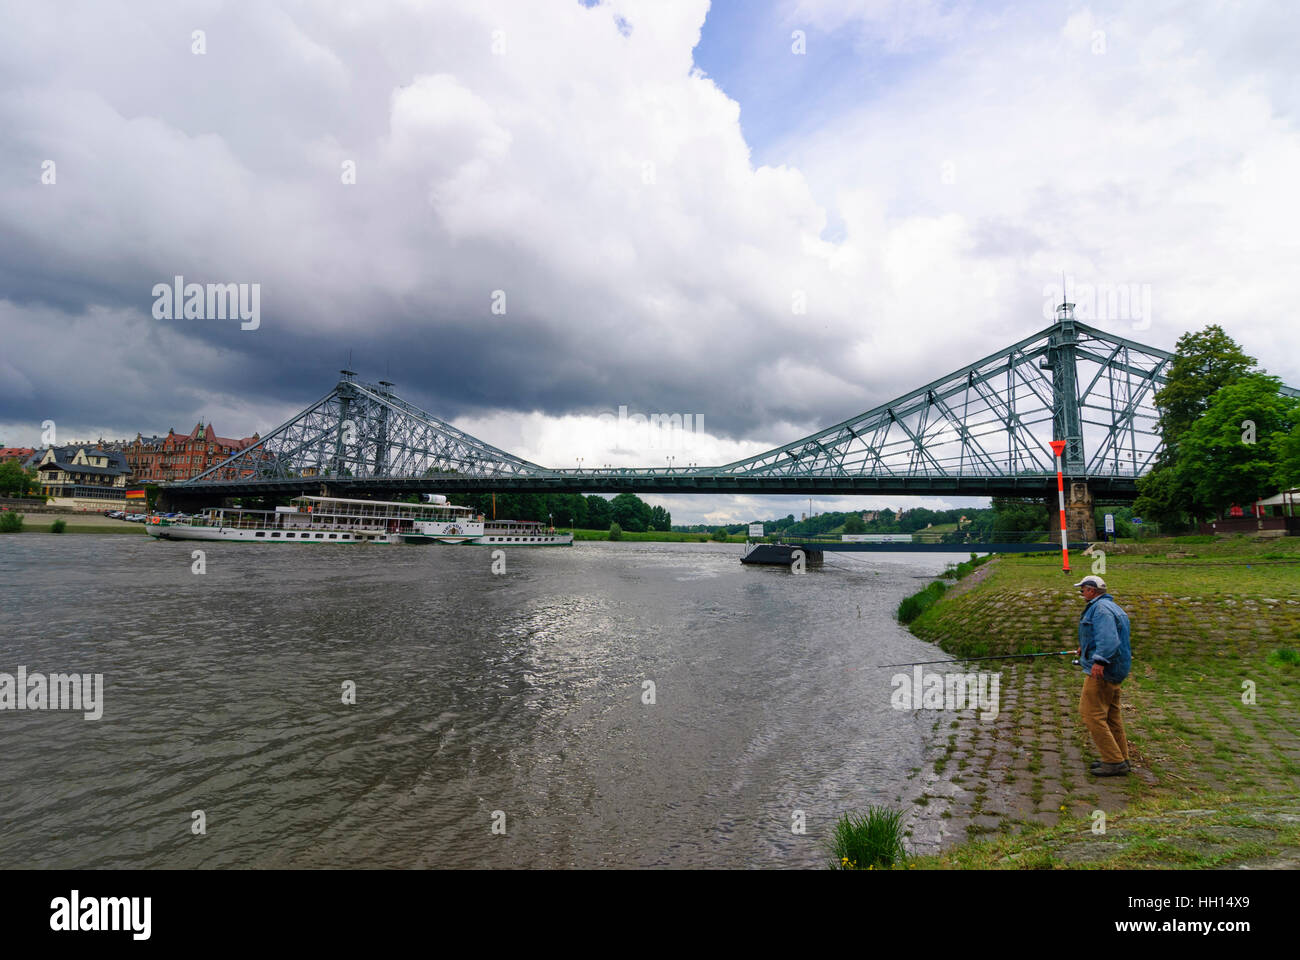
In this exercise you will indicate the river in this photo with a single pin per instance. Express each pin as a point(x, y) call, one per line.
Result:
point(514, 700)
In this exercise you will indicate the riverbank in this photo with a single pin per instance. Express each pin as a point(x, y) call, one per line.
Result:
point(1215, 781)
point(77, 523)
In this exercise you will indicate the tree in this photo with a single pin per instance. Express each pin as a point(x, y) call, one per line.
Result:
point(1010, 515)
point(1161, 498)
point(719, 533)
point(1288, 466)
point(598, 512)
point(615, 532)
point(853, 524)
point(575, 509)
point(1203, 363)
point(630, 512)
point(14, 480)
point(1233, 453)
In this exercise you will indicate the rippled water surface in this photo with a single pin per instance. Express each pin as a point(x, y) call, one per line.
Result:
point(476, 693)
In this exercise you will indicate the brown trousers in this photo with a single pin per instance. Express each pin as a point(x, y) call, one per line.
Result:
point(1099, 709)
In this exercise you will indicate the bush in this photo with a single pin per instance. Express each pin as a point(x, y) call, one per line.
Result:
point(719, 534)
point(615, 532)
point(10, 522)
point(915, 605)
point(58, 526)
point(864, 841)
point(1284, 656)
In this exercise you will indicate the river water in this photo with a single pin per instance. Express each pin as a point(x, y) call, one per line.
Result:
point(512, 699)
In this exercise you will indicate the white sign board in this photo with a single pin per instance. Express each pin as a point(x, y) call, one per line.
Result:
point(756, 530)
point(1110, 523)
point(876, 537)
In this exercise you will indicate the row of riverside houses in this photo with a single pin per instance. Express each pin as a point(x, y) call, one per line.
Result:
point(179, 456)
point(96, 476)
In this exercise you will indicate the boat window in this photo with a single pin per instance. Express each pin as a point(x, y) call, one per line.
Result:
point(334, 536)
point(319, 535)
point(260, 533)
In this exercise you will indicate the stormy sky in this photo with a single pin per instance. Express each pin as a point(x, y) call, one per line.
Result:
point(774, 215)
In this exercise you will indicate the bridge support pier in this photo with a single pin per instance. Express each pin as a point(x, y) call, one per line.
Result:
point(1079, 516)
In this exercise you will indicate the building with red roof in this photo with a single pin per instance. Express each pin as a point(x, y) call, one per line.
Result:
point(180, 456)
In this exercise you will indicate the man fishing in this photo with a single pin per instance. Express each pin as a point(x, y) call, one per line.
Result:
point(1105, 657)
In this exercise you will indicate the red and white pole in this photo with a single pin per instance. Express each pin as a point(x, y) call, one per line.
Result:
point(1058, 448)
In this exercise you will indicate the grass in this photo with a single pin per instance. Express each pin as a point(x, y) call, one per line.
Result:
point(1284, 656)
point(967, 567)
point(869, 841)
point(1204, 630)
point(1206, 832)
point(912, 607)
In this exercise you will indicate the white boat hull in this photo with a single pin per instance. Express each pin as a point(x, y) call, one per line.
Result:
point(341, 520)
point(177, 531)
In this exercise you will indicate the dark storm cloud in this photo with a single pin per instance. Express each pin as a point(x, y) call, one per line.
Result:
point(476, 172)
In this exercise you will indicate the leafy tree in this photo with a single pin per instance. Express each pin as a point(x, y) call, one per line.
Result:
point(599, 514)
point(660, 519)
point(615, 532)
point(1288, 466)
point(853, 524)
point(1162, 497)
point(1010, 514)
point(575, 509)
point(719, 533)
point(1203, 363)
point(630, 512)
point(1233, 453)
point(14, 480)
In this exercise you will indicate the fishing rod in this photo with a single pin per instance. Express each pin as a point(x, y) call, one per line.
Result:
point(1009, 656)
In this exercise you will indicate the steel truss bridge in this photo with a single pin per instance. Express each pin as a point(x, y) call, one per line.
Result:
point(982, 430)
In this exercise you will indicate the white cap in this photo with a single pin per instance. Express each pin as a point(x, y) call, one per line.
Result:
point(1095, 582)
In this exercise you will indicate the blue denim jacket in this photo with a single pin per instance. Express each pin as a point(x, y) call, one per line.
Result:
point(1103, 638)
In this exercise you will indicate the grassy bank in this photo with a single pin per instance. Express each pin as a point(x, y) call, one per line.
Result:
point(1216, 780)
point(77, 523)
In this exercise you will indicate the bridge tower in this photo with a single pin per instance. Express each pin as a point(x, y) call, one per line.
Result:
point(381, 430)
point(1067, 421)
point(1062, 361)
point(345, 427)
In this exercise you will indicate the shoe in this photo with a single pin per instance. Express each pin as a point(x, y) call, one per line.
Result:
point(1097, 763)
point(1110, 769)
